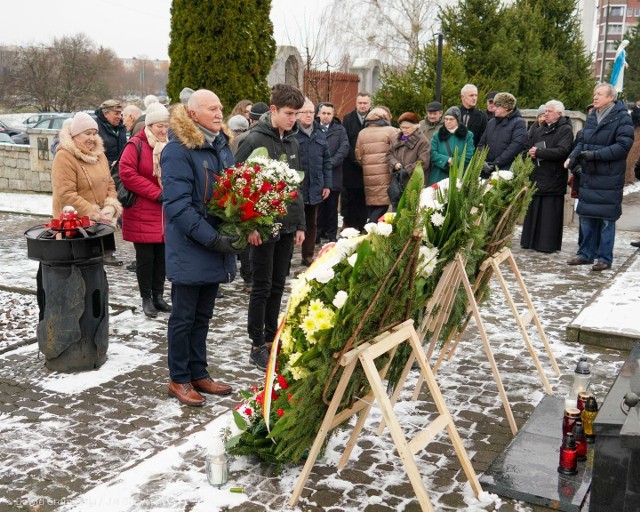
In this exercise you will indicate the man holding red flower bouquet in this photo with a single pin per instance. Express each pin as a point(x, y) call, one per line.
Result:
point(271, 259)
point(198, 256)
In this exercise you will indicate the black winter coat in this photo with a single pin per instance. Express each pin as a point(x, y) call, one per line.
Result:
point(265, 135)
point(315, 161)
point(339, 150)
point(506, 137)
point(477, 123)
point(113, 137)
point(602, 179)
point(351, 169)
point(554, 144)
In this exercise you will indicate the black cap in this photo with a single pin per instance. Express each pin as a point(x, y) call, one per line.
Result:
point(257, 110)
point(491, 95)
point(434, 106)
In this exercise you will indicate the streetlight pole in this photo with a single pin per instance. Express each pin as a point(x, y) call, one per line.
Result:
point(604, 41)
point(439, 68)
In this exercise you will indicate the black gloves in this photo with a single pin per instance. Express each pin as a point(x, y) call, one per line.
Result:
point(587, 156)
point(487, 169)
point(225, 244)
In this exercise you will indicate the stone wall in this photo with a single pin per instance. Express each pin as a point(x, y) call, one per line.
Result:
point(27, 168)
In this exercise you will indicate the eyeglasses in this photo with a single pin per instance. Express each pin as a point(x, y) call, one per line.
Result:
point(406, 126)
point(305, 112)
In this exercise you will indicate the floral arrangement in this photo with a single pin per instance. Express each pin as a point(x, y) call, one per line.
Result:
point(252, 195)
point(356, 288)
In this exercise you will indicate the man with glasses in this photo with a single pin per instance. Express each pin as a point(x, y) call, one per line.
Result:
point(432, 123)
point(316, 164)
point(271, 259)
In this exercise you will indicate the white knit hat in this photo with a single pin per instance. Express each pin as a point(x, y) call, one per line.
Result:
point(149, 99)
point(156, 113)
point(82, 122)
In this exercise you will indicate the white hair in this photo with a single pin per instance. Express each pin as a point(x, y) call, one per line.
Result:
point(558, 106)
point(610, 88)
point(467, 88)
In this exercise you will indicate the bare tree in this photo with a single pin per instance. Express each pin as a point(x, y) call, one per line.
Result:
point(391, 30)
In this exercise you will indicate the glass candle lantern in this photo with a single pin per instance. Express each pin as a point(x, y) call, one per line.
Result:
point(568, 456)
point(581, 441)
point(217, 465)
point(588, 415)
point(581, 377)
point(571, 415)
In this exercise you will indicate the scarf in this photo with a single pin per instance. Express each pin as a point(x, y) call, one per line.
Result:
point(157, 149)
point(600, 115)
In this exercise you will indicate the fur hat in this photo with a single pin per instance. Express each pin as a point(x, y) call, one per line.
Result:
point(82, 122)
point(454, 112)
point(409, 117)
point(111, 105)
point(156, 113)
point(185, 94)
point(238, 123)
point(149, 99)
point(257, 110)
point(505, 100)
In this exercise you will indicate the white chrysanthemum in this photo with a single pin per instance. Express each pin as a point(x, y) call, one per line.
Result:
point(297, 373)
point(502, 175)
point(428, 260)
point(352, 259)
point(437, 219)
point(321, 273)
point(349, 233)
point(286, 341)
point(340, 299)
point(371, 228)
point(299, 290)
point(345, 247)
point(384, 229)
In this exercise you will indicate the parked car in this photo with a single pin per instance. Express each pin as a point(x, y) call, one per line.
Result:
point(5, 139)
point(53, 123)
point(34, 119)
point(10, 130)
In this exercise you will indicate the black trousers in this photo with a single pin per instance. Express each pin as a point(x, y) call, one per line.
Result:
point(150, 269)
point(328, 216)
point(355, 208)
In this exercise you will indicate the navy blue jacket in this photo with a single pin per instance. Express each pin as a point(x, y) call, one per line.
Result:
point(338, 149)
point(316, 163)
point(602, 179)
point(506, 138)
point(113, 137)
point(189, 165)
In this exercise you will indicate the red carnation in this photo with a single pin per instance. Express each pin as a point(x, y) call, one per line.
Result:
point(293, 194)
point(248, 411)
point(227, 184)
point(260, 397)
point(257, 168)
point(283, 382)
point(248, 211)
point(255, 197)
point(247, 175)
point(280, 412)
point(246, 192)
point(276, 202)
point(280, 185)
point(266, 187)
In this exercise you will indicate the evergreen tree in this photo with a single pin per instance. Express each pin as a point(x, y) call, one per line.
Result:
point(227, 47)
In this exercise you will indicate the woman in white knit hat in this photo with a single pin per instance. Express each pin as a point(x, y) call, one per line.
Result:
point(142, 223)
point(80, 174)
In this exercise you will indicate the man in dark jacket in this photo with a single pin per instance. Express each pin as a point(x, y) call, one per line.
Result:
point(354, 206)
point(198, 257)
point(602, 150)
point(549, 145)
point(271, 259)
point(113, 133)
point(506, 135)
point(316, 164)
point(475, 120)
point(338, 150)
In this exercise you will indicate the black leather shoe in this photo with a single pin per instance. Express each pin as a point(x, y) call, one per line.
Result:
point(577, 260)
point(160, 304)
point(635, 244)
point(148, 308)
point(131, 267)
point(598, 267)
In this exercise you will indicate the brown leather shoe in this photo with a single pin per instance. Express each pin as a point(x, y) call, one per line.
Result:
point(207, 385)
point(600, 266)
point(577, 260)
point(186, 394)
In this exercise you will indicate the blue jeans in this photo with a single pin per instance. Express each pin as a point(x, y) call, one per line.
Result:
point(270, 265)
point(590, 247)
point(187, 331)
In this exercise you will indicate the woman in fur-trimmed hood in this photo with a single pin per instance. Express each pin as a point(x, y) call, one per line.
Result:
point(80, 174)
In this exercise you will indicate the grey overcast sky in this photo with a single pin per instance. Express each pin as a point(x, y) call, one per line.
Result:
point(129, 27)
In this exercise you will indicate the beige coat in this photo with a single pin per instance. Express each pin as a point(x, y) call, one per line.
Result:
point(371, 152)
point(83, 180)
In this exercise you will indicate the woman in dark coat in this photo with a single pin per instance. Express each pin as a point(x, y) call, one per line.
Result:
point(452, 138)
point(549, 145)
point(143, 223)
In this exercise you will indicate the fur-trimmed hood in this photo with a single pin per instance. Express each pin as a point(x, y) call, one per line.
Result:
point(66, 142)
point(186, 131)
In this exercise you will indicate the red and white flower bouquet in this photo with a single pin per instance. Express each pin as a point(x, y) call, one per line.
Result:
point(252, 196)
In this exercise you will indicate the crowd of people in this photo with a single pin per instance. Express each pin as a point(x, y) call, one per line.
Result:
point(168, 158)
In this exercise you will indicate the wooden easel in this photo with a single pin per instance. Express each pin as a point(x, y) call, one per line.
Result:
point(489, 268)
point(436, 315)
point(366, 355)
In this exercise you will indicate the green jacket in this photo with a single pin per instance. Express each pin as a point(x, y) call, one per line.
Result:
point(461, 140)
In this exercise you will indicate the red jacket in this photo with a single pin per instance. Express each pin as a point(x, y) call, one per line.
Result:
point(143, 222)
